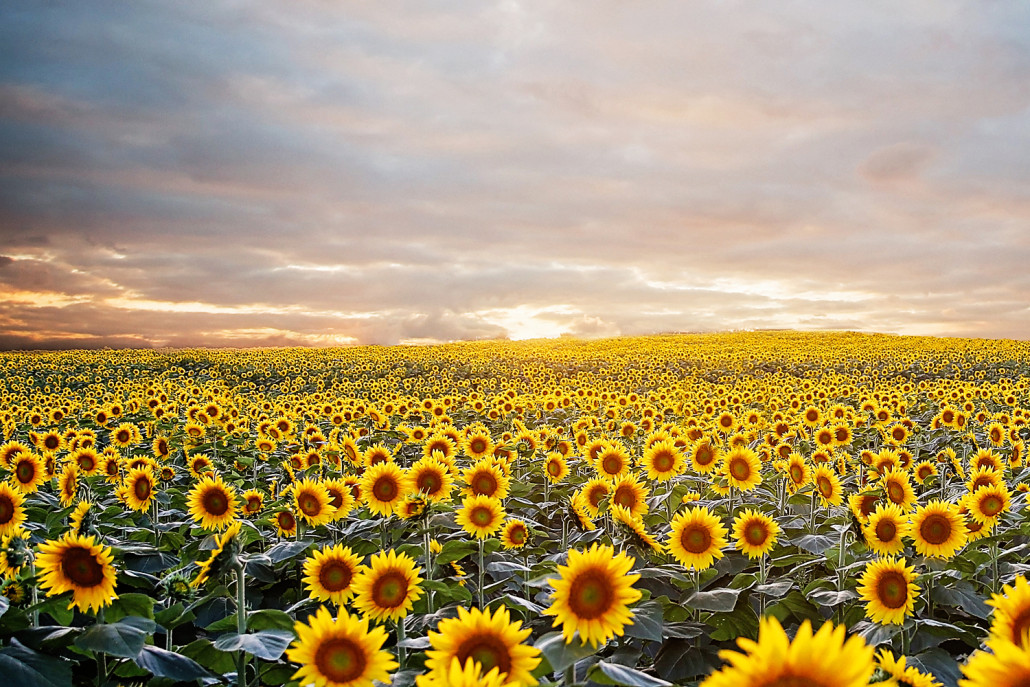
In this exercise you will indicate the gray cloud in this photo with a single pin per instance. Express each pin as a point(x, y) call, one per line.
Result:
point(217, 173)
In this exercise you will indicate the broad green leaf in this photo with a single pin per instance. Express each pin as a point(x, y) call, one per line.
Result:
point(561, 655)
point(163, 663)
point(268, 645)
point(718, 601)
point(614, 674)
point(124, 638)
point(23, 667)
point(647, 621)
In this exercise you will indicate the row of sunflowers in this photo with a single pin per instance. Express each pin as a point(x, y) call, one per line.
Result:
point(749, 509)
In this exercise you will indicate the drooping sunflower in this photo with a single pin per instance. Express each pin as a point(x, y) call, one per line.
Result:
point(480, 516)
point(1011, 619)
point(220, 560)
point(430, 478)
point(139, 489)
point(12, 509)
point(1008, 665)
point(629, 493)
point(827, 485)
point(382, 486)
point(885, 529)
point(388, 587)
point(593, 593)
point(311, 502)
point(704, 457)
point(663, 460)
point(486, 479)
point(755, 533)
point(27, 472)
point(742, 468)
point(900, 674)
point(514, 534)
point(492, 641)
point(329, 573)
point(988, 503)
point(889, 590)
point(636, 530)
point(938, 530)
point(15, 553)
point(212, 503)
point(697, 538)
point(820, 659)
point(340, 652)
point(80, 565)
point(555, 467)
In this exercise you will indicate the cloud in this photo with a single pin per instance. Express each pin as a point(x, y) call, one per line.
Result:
point(225, 174)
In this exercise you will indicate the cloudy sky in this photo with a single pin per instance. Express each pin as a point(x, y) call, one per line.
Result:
point(321, 172)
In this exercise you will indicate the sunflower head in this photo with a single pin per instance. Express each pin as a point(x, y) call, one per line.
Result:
point(329, 573)
point(388, 587)
point(889, 590)
point(340, 652)
point(697, 538)
point(493, 641)
point(480, 516)
point(755, 533)
point(80, 565)
point(212, 503)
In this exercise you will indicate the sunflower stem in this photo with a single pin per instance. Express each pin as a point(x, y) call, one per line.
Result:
point(241, 625)
point(811, 515)
point(481, 574)
point(102, 668)
point(570, 675)
point(35, 590)
point(762, 576)
point(402, 653)
point(429, 569)
point(994, 566)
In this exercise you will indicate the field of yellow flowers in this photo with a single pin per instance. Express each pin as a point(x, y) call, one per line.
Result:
point(765, 509)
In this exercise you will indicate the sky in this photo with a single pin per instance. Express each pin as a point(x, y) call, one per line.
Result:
point(230, 173)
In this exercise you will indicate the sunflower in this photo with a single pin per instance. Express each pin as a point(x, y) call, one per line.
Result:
point(87, 460)
point(340, 652)
point(80, 565)
point(1011, 619)
point(139, 489)
point(988, 503)
point(253, 502)
point(478, 444)
point(480, 516)
point(985, 458)
point(50, 441)
point(704, 457)
point(492, 641)
point(827, 485)
point(663, 460)
point(938, 530)
point(27, 472)
point(221, 558)
point(377, 454)
point(329, 573)
point(286, 523)
point(12, 509)
point(486, 479)
point(593, 593)
point(924, 470)
point(630, 494)
point(798, 472)
point(212, 503)
point(1007, 666)
point(885, 528)
point(11, 449)
point(697, 538)
point(862, 505)
point(161, 448)
point(889, 590)
point(900, 674)
point(983, 477)
point(555, 467)
point(896, 485)
point(822, 659)
point(340, 497)
point(514, 534)
point(472, 675)
point(579, 513)
point(382, 485)
point(124, 435)
point(15, 552)
point(311, 502)
point(430, 478)
point(388, 587)
point(742, 468)
point(438, 443)
point(200, 466)
point(612, 462)
point(755, 533)
point(636, 529)
point(592, 493)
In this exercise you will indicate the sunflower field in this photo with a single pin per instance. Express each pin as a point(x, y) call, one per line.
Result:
point(748, 509)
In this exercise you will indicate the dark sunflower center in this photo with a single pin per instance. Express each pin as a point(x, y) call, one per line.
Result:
point(481, 516)
point(892, 590)
point(625, 497)
point(81, 567)
point(287, 521)
point(517, 535)
point(553, 468)
point(390, 590)
point(663, 462)
point(429, 483)
point(740, 469)
point(309, 505)
point(484, 484)
point(253, 504)
point(895, 492)
point(825, 487)
point(26, 472)
point(335, 576)
point(385, 489)
point(935, 529)
point(87, 463)
point(696, 539)
point(797, 473)
point(982, 482)
point(477, 445)
point(991, 506)
point(591, 595)
point(612, 464)
point(596, 495)
point(340, 659)
point(123, 437)
point(756, 533)
point(488, 650)
point(335, 498)
point(886, 530)
point(142, 489)
point(215, 502)
point(6, 509)
point(51, 443)
point(705, 456)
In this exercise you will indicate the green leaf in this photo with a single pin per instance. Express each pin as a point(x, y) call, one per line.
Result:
point(284, 551)
point(124, 638)
point(614, 674)
point(815, 543)
point(680, 661)
point(173, 616)
point(742, 622)
point(648, 620)
point(454, 550)
point(23, 667)
point(831, 597)
point(130, 604)
point(171, 665)
point(962, 596)
point(4, 604)
point(269, 619)
point(718, 601)
point(268, 645)
point(774, 590)
point(938, 663)
point(205, 653)
point(561, 655)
